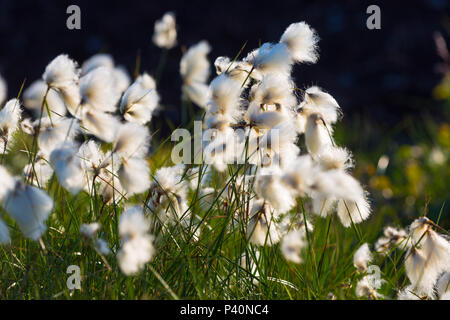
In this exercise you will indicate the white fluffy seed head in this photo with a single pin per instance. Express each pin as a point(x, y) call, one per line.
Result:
point(421, 276)
point(7, 182)
point(67, 165)
point(33, 97)
point(133, 223)
point(362, 257)
point(225, 97)
point(121, 79)
point(301, 41)
point(353, 211)
point(132, 140)
point(292, 243)
point(236, 70)
point(392, 237)
point(139, 102)
point(301, 175)
point(275, 89)
point(194, 65)
point(97, 60)
point(260, 119)
point(90, 230)
point(262, 229)
point(100, 124)
point(317, 134)
point(366, 287)
point(271, 188)
point(197, 92)
point(39, 173)
point(30, 207)
point(137, 245)
point(338, 184)
point(318, 101)
point(170, 180)
point(146, 81)
point(134, 175)
point(165, 33)
point(61, 71)
point(3, 90)
point(54, 132)
point(443, 285)
point(271, 58)
point(331, 157)
point(98, 90)
point(10, 116)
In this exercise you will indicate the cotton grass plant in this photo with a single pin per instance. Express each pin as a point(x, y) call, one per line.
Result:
point(268, 207)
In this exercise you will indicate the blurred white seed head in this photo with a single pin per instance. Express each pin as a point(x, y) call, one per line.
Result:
point(30, 207)
point(67, 165)
point(239, 71)
point(96, 61)
point(318, 101)
point(365, 288)
point(27, 126)
point(4, 233)
point(420, 274)
point(39, 173)
point(10, 116)
point(194, 65)
point(72, 98)
point(443, 286)
point(408, 293)
point(137, 244)
point(33, 97)
point(301, 175)
point(392, 237)
point(194, 69)
point(100, 124)
point(165, 33)
point(3, 90)
point(274, 89)
point(362, 257)
point(317, 134)
point(353, 211)
point(121, 79)
point(271, 188)
point(331, 157)
point(225, 98)
point(132, 140)
point(292, 243)
point(54, 132)
point(134, 175)
point(139, 102)
point(262, 229)
point(169, 186)
point(146, 81)
point(271, 58)
point(90, 230)
point(102, 246)
point(7, 182)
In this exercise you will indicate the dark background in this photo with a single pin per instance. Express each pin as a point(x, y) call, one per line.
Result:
point(382, 74)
